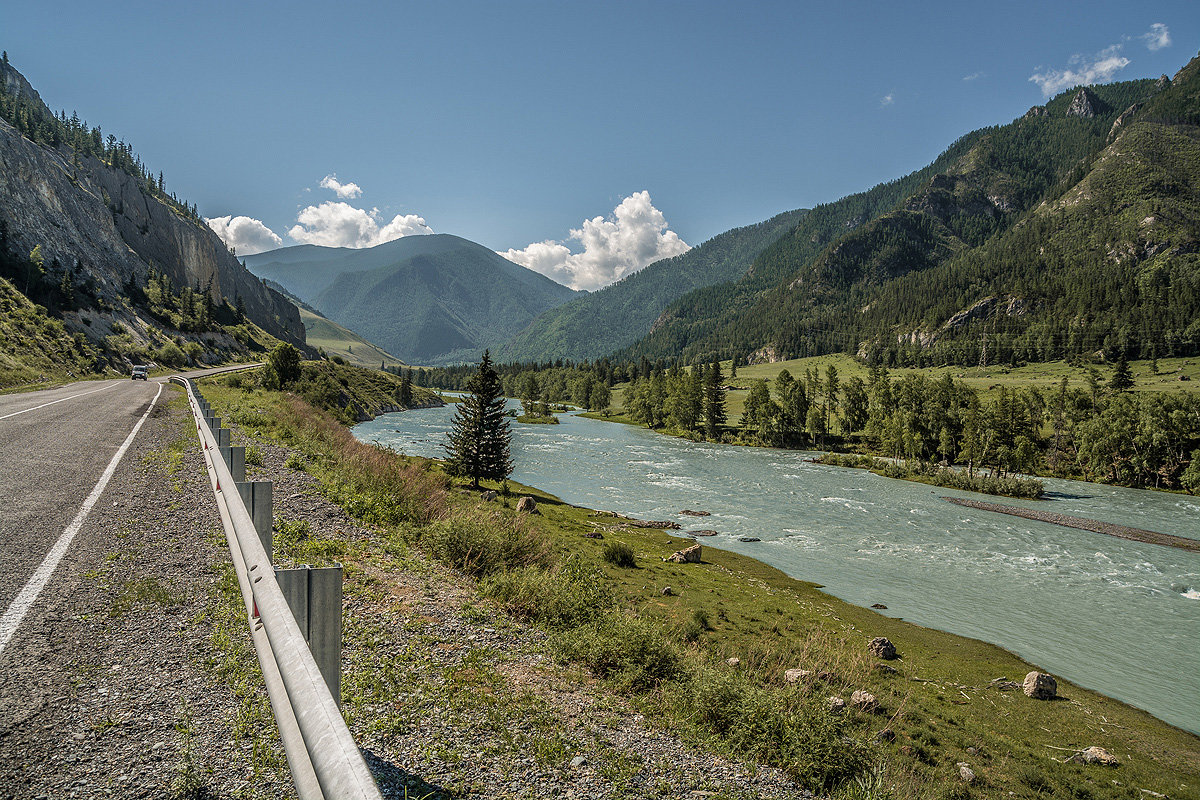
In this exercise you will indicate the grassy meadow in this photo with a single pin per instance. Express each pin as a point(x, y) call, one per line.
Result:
point(603, 607)
point(338, 341)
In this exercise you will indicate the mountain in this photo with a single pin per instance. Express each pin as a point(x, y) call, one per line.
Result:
point(618, 315)
point(85, 231)
point(1069, 230)
point(336, 340)
point(436, 299)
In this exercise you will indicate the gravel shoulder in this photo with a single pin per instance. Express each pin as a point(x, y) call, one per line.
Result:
point(110, 687)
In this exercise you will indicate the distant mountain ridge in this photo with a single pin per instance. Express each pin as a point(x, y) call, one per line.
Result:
point(434, 299)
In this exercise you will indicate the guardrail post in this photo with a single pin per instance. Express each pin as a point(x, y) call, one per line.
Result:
point(222, 436)
point(257, 497)
point(214, 423)
point(315, 597)
point(235, 459)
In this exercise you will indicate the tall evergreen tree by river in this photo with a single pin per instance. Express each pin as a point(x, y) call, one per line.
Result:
point(479, 440)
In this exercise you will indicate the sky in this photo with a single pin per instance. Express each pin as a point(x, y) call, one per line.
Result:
point(583, 140)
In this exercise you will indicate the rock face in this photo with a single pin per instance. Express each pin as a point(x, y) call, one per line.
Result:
point(100, 218)
point(688, 555)
point(882, 647)
point(1083, 104)
point(1040, 686)
point(1036, 111)
point(527, 505)
point(1123, 120)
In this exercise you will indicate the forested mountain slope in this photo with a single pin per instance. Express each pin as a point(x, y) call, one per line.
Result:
point(901, 280)
point(618, 315)
point(436, 299)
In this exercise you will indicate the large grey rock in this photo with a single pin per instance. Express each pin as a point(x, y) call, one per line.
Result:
point(797, 675)
point(1040, 686)
point(864, 701)
point(688, 555)
point(1095, 755)
point(882, 647)
point(527, 505)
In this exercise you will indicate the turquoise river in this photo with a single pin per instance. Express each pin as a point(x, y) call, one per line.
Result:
point(1119, 617)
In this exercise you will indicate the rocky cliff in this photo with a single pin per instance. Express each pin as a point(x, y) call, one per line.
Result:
point(86, 214)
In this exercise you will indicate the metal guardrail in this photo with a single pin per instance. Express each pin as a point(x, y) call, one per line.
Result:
point(324, 760)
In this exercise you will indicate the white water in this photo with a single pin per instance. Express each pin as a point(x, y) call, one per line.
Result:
point(1116, 616)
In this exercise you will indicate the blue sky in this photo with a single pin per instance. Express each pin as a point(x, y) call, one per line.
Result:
point(513, 123)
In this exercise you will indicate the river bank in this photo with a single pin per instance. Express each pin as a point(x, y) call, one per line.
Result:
point(871, 539)
point(940, 702)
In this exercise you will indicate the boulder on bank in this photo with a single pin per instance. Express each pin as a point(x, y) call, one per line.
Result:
point(1040, 686)
point(882, 647)
point(689, 513)
point(527, 505)
point(1095, 755)
point(688, 555)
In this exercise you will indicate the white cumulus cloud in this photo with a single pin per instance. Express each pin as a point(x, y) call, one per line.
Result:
point(1082, 71)
point(343, 190)
point(245, 235)
point(338, 224)
point(887, 99)
point(1158, 37)
point(634, 235)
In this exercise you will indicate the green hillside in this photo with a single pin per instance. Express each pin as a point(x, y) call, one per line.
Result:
point(895, 273)
point(336, 340)
point(618, 315)
point(435, 299)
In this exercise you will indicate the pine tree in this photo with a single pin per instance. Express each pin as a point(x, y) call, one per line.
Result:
point(1122, 378)
point(405, 394)
point(714, 400)
point(480, 438)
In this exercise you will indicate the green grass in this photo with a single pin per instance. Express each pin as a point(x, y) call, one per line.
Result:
point(338, 341)
point(666, 653)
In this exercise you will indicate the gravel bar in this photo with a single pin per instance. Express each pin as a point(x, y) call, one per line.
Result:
point(1108, 528)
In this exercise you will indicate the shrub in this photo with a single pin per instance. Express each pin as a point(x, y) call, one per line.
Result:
point(619, 554)
point(254, 457)
point(560, 598)
point(630, 651)
point(798, 734)
point(481, 547)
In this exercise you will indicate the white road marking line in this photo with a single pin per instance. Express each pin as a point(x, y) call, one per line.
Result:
point(41, 576)
point(63, 400)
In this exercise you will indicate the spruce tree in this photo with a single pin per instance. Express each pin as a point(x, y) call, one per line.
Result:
point(714, 400)
point(1122, 378)
point(405, 395)
point(479, 439)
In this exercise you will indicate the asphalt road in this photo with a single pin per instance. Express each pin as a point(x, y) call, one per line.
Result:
point(54, 446)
